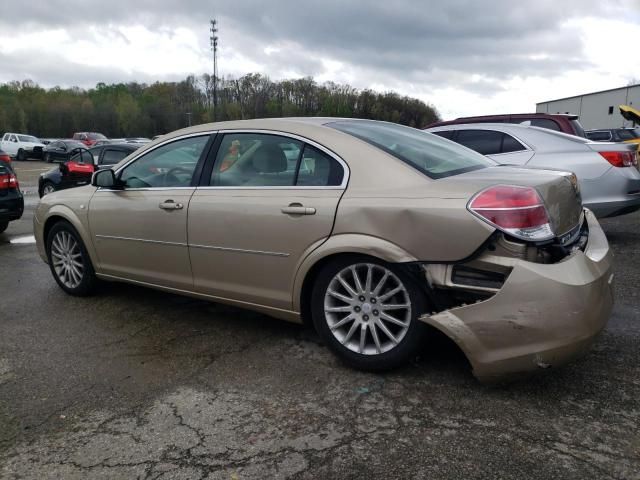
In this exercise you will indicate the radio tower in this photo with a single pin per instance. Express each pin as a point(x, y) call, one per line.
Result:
point(213, 40)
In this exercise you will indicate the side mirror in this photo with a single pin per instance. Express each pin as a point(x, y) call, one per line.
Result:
point(106, 179)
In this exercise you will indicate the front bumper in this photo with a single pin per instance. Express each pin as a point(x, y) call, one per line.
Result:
point(544, 315)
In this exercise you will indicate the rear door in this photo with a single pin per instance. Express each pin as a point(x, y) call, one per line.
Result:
point(265, 202)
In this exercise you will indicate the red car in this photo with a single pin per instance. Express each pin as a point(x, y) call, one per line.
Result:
point(565, 123)
point(88, 138)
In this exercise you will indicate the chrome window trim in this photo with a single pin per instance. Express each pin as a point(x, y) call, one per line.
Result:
point(345, 168)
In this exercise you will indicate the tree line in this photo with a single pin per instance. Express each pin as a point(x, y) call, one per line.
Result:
point(139, 109)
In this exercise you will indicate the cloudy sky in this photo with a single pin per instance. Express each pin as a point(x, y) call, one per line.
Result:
point(463, 56)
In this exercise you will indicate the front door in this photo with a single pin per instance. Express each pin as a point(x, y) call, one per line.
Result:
point(140, 231)
point(269, 201)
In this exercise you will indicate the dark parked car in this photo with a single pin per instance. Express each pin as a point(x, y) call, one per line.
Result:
point(79, 169)
point(565, 123)
point(11, 201)
point(62, 150)
point(5, 158)
point(630, 135)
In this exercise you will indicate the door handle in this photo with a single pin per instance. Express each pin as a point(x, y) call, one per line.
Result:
point(170, 205)
point(298, 209)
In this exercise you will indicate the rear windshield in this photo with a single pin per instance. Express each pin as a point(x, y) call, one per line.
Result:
point(577, 126)
point(428, 153)
point(96, 136)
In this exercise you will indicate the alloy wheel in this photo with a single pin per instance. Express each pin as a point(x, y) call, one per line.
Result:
point(67, 259)
point(47, 189)
point(367, 308)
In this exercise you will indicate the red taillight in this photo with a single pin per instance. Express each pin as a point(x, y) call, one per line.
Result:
point(518, 211)
point(620, 159)
point(8, 181)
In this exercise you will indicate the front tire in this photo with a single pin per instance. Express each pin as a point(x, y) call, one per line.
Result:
point(367, 312)
point(21, 155)
point(47, 157)
point(69, 261)
point(3, 226)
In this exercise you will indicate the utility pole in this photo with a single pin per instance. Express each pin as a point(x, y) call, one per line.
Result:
point(213, 41)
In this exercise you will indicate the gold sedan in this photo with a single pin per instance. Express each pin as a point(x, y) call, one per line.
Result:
point(373, 233)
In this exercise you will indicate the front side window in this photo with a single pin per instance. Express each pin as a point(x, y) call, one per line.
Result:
point(626, 134)
point(427, 153)
point(169, 166)
point(599, 136)
point(256, 160)
point(111, 157)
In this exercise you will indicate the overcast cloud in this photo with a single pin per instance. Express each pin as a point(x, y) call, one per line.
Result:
point(464, 57)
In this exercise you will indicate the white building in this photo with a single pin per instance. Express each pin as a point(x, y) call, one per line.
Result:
point(598, 109)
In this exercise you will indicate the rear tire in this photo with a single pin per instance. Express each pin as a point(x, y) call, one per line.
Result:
point(3, 225)
point(47, 188)
point(370, 322)
point(47, 157)
point(69, 261)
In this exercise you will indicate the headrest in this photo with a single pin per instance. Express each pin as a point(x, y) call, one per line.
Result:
point(269, 158)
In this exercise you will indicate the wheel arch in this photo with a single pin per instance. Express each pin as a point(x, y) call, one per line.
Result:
point(60, 213)
point(335, 247)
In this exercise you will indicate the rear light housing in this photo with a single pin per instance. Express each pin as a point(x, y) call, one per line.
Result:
point(515, 210)
point(8, 181)
point(5, 158)
point(621, 159)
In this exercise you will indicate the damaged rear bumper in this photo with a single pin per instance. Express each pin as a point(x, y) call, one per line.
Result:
point(543, 316)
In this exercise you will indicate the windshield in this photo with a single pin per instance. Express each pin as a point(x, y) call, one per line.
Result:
point(428, 153)
point(28, 138)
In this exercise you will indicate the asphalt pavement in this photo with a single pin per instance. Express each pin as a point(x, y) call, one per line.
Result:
point(135, 383)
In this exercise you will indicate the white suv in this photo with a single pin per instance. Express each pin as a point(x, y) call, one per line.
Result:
point(20, 146)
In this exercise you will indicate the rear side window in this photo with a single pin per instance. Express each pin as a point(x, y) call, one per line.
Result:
point(486, 142)
point(317, 169)
point(429, 154)
point(510, 144)
point(111, 157)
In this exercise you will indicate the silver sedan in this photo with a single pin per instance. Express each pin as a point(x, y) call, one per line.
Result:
point(607, 172)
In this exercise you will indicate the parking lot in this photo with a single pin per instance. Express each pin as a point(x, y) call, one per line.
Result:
point(135, 383)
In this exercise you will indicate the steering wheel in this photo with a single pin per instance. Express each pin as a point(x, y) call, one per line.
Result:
point(170, 177)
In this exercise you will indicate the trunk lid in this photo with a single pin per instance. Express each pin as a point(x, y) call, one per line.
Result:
point(558, 189)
